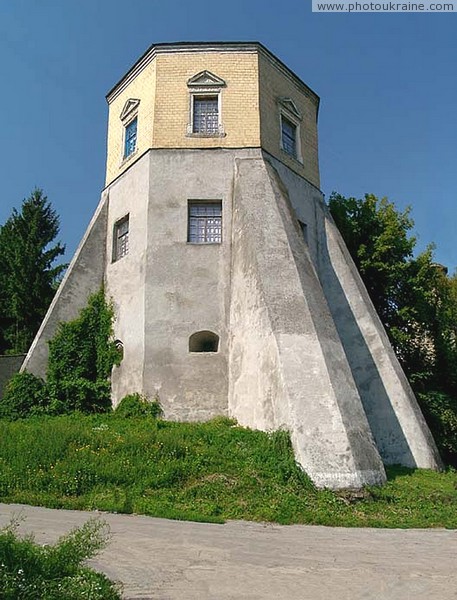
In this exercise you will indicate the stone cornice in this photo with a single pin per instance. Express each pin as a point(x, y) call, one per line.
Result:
point(167, 48)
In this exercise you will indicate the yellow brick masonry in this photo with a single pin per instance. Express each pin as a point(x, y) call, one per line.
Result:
point(141, 88)
point(240, 108)
point(250, 116)
point(274, 85)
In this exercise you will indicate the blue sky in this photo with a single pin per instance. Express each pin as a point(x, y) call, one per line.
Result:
point(387, 82)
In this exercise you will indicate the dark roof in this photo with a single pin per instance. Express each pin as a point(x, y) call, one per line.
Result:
point(218, 46)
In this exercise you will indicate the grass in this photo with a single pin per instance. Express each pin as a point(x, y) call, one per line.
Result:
point(28, 570)
point(202, 471)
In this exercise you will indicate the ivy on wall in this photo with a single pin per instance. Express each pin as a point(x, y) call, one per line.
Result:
point(81, 357)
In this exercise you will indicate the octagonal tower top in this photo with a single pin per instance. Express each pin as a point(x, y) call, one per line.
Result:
point(212, 95)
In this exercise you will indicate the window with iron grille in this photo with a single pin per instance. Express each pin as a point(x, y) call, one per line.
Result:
point(289, 136)
point(121, 238)
point(205, 114)
point(205, 222)
point(130, 138)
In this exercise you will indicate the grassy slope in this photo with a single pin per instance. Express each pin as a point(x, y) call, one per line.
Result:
point(211, 471)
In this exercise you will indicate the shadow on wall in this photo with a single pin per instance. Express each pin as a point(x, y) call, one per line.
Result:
point(385, 427)
point(9, 365)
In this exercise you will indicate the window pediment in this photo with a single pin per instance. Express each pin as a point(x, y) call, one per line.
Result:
point(290, 107)
point(206, 79)
point(129, 107)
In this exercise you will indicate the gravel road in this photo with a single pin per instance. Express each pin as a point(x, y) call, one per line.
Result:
point(173, 560)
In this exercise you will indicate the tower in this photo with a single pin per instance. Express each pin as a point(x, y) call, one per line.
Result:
point(233, 291)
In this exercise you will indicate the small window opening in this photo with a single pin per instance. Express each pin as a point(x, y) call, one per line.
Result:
point(130, 138)
point(121, 238)
point(204, 341)
point(120, 348)
point(289, 136)
point(304, 230)
point(204, 222)
point(205, 115)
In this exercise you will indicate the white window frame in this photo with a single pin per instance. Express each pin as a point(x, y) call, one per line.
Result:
point(289, 111)
point(200, 202)
point(128, 115)
point(116, 256)
point(210, 85)
point(124, 141)
point(205, 94)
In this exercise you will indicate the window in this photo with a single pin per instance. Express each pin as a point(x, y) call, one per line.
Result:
point(304, 230)
point(289, 136)
point(121, 238)
point(204, 341)
point(290, 119)
point(130, 138)
point(120, 348)
point(205, 222)
point(205, 93)
point(129, 118)
point(205, 115)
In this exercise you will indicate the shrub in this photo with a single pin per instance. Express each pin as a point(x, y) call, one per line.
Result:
point(24, 395)
point(137, 405)
point(440, 412)
point(28, 570)
point(81, 357)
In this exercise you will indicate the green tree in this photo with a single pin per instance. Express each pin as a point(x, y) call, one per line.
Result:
point(442, 304)
point(376, 235)
point(378, 238)
point(28, 277)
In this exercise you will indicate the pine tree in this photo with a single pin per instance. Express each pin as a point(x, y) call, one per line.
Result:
point(28, 279)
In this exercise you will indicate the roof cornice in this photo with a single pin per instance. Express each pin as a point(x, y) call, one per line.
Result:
point(175, 47)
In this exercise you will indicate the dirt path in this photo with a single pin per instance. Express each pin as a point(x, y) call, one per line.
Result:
point(172, 560)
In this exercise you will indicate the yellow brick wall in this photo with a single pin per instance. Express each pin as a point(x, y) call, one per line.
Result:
point(274, 85)
point(250, 116)
point(143, 89)
point(240, 110)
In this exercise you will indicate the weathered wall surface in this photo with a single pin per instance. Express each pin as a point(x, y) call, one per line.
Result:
point(187, 286)
point(320, 404)
point(300, 345)
point(83, 277)
point(257, 396)
point(9, 365)
point(396, 421)
point(125, 278)
point(397, 424)
point(306, 201)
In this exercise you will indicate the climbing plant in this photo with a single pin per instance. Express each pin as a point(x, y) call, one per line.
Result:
point(81, 357)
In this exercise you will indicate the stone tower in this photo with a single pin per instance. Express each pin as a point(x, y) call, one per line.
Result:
point(233, 291)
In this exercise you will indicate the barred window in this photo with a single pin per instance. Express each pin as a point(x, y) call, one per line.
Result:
point(130, 138)
point(289, 136)
point(205, 223)
point(205, 114)
point(121, 238)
